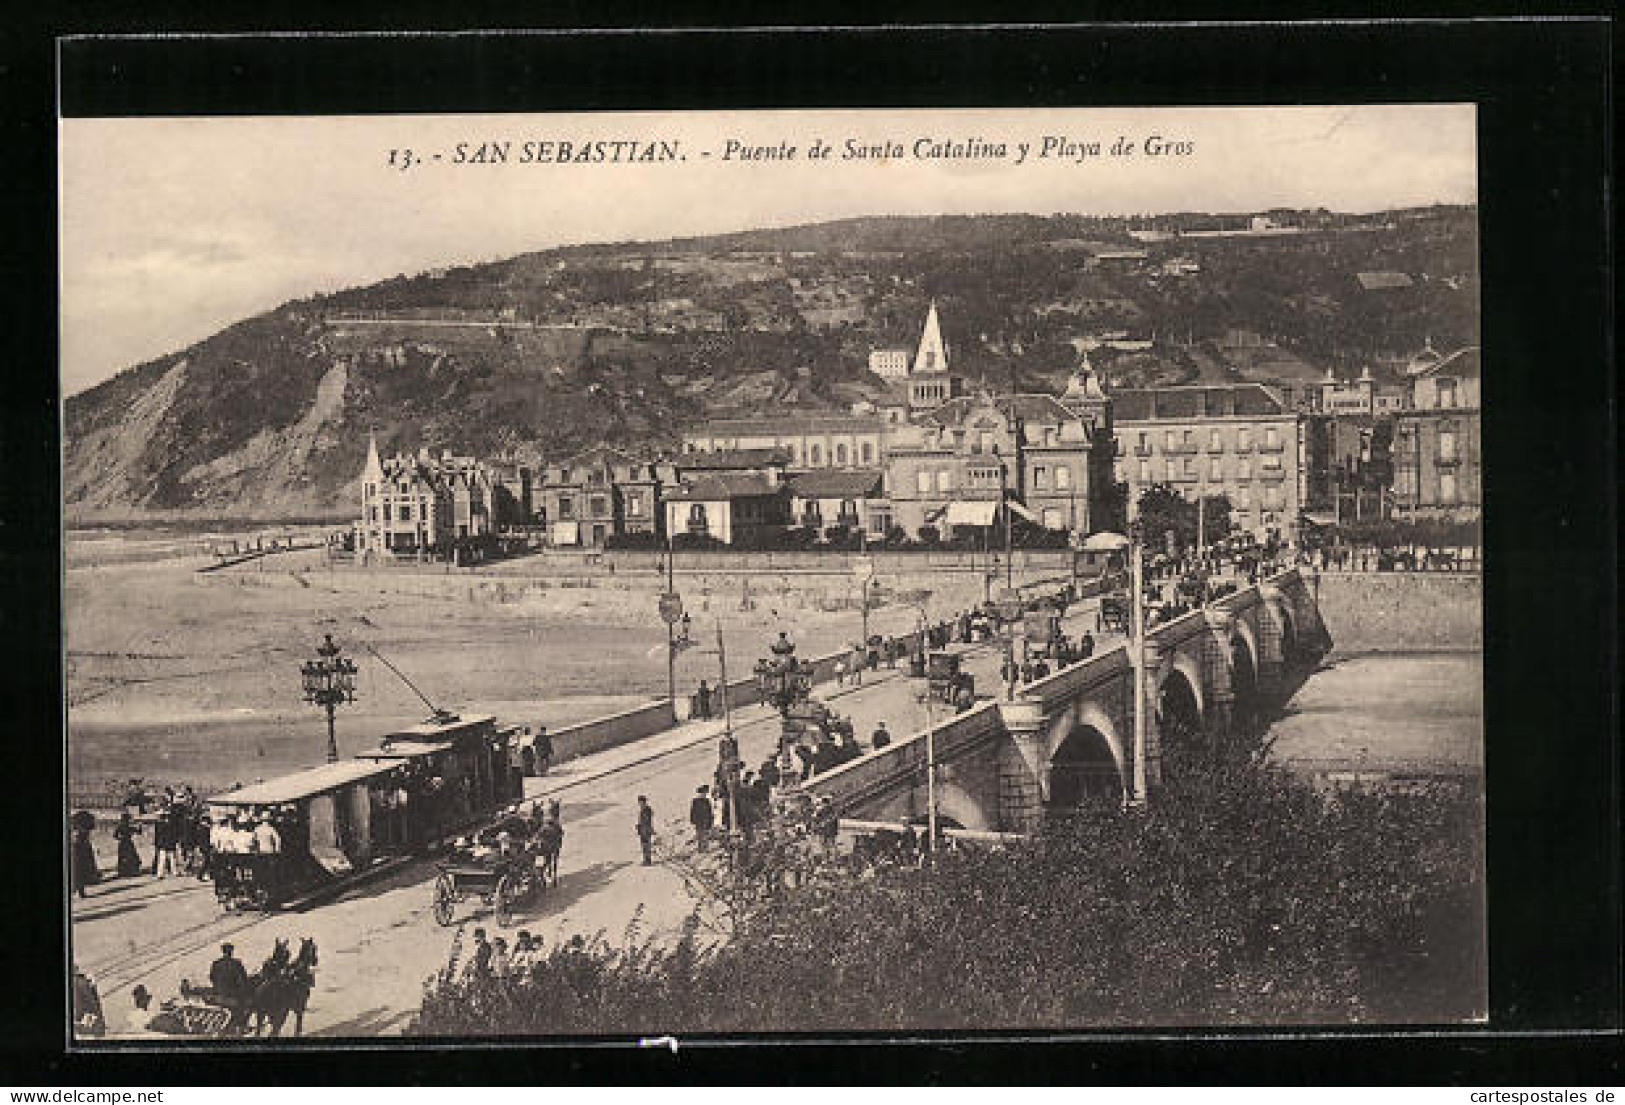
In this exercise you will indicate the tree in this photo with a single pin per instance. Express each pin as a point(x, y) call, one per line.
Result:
point(1162, 509)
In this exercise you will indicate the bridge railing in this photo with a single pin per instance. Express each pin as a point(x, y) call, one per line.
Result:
point(876, 770)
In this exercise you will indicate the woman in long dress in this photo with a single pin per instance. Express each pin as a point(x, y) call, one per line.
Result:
point(129, 860)
point(85, 871)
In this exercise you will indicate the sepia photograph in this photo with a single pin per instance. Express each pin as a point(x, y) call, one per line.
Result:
point(551, 575)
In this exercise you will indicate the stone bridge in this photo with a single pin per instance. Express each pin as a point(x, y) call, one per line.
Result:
point(1001, 765)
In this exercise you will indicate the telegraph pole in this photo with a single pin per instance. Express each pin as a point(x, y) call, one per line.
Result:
point(1138, 798)
point(930, 759)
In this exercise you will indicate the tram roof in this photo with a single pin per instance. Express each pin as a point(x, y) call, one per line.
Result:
point(303, 784)
point(404, 750)
point(432, 728)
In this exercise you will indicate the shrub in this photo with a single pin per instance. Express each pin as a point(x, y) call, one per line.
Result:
point(929, 536)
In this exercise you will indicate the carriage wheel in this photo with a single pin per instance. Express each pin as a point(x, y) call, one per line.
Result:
point(445, 900)
point(504, 901)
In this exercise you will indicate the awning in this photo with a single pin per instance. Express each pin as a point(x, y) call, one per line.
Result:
point(1024, 512)
point(972, 514)
point(566, 533)
point(931, 516)
point(1105, 541)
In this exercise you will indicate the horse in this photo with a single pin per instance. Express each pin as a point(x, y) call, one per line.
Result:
point(283, 986)
point(550, 842)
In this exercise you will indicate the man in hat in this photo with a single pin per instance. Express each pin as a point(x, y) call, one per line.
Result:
point(229, 981)
point(701, 816)
point(646, 829)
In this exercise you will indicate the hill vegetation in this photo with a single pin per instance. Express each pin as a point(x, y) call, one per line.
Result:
point(544, 353)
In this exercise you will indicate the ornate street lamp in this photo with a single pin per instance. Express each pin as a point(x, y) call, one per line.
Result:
point(329, 682)
point(782, 681)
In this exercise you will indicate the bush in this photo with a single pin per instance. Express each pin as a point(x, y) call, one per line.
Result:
point(634, 542)
point(929, 536)
point(696, 542)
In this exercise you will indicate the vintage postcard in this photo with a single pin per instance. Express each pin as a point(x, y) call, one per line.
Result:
point(537, 575)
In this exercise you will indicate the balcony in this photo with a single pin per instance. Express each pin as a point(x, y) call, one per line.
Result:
point(1142, 450)
point(1244, 447)
point(1182, 449)
point(1451, 461)
point(1183, 477)
point(1272, 475)
point(1276, 447)
point(1215, 447)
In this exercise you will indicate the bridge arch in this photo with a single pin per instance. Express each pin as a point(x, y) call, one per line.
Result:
point(1179, 711)
point(1085, 758)
point(1289, 630)
point(958, 809)
point(1244, 675)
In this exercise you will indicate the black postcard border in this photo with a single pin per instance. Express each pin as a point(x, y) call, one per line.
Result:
point(1551, 699)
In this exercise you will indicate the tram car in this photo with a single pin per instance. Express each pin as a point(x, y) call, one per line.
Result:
point(334, 824)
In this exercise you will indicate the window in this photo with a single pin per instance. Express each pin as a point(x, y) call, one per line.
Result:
point(1188, 437)
point(795, 453)
point(1244, 498)
point(566, 508)
point(1447, 392)
point(1215, 469)
point(404, 488)
point(696, 518)
point(922, 482)
point(1272, 437)
point(1447, 487)
point(1244, 438)
point(1214, 441)
point(372, 514)
point(986, 441)
point(930, 360)
point(634, 503)
point(1145, 441)
point(1063, 477)
point(1188, 468)
point(945, 480)
point(815, 454)
point(369, 490)
point(596, 476)
point(1173, 470)
point(1244, 469)
point(868, 453)
point(840, 455)
point(406, 513)
point(389, 513)
point(1040, 478)
point(1447, 443)
point(1145, 471)
point(1170, 440)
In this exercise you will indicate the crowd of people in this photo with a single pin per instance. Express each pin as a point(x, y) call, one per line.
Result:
point(180, 833)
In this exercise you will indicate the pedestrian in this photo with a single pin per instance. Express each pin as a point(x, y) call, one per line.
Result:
point(701, 816)
point(857, 665)
point(770, 771)
point(163, 842)
point(479, 964)
point(880, 738)
point(804, 754)
point(840, 671)
point(85, 871)
point(646, 829)
point(125, 832)
point(501, 965)
point(702, 700)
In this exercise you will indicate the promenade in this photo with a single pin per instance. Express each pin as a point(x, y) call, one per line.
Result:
point(378, 941)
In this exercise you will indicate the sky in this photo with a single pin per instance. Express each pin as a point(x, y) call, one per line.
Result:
point(172, 229)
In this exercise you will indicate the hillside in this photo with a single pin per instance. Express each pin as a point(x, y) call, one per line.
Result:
point(544, 353)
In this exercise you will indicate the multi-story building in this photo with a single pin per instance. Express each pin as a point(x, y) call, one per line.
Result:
point(600, 493)
point(728, 506)
point(889, 364)
point(969, 455)
point(1242, 441)
point(852, 499)
point(812, 442)
point(1437, 460)
point(1365, 396)
point(422, 504)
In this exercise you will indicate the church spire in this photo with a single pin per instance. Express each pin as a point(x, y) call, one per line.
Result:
point(374, 469)
point(932, 356)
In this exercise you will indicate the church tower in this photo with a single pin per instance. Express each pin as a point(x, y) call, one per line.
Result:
point(932, 356)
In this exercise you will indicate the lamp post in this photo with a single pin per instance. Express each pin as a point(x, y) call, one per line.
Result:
point(329, 682)
point(1136, 585)
point(930, 756)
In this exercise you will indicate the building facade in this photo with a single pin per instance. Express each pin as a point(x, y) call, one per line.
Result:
point(889, 364)
point(730, 507)
point(817, 441)
point(423, 504)
point(1437, 458)
point(1242, 441)
point(601, 493)
point(853, 500)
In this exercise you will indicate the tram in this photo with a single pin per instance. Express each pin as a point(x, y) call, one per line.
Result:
point(336, 823)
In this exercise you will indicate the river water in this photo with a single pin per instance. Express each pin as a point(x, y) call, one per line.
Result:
point(1405, 713)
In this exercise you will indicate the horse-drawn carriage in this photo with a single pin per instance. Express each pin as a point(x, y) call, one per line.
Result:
point(946, 680)
point(504, 865)
point(1115, 613)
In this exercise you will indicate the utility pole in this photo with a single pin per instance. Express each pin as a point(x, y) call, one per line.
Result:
point(671, 625)
point(930, 759)
point(1138, 798)
point(728, 729)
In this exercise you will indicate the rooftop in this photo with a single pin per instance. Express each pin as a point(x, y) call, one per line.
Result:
point(303, 784)
point(787, 424)
point(725, 459)
point(722, 486)
point(1027, 406)
point(1222, 401)
point(836, 484)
